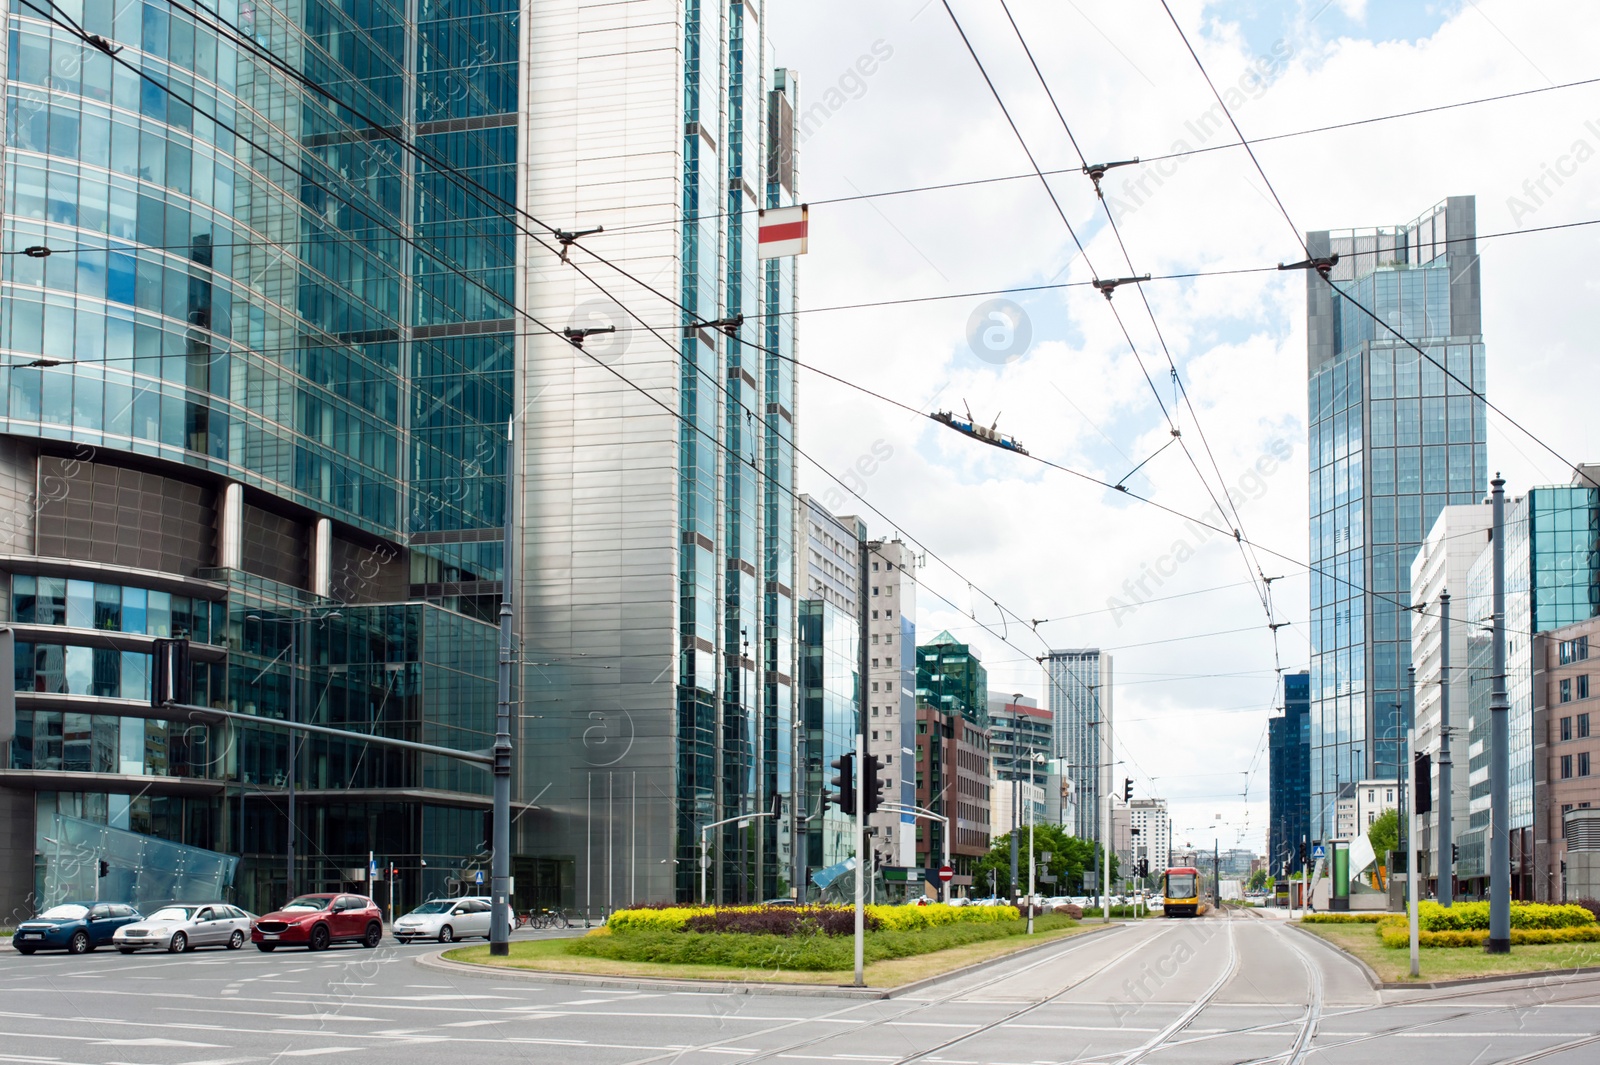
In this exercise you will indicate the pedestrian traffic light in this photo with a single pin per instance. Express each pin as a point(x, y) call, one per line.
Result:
point(1422, 783)
point(872, 795)
point(844, 783)
point(1127, 789)
point(105, 867)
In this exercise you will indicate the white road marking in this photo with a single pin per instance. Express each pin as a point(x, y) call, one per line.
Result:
point(154, 1042)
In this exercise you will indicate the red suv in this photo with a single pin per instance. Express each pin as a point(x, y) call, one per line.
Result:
point(318, 921)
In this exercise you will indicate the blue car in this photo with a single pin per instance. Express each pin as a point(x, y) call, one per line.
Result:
point(75, 927)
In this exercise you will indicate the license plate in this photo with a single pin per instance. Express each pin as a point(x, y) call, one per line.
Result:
point(32, 935)
point(269, 935)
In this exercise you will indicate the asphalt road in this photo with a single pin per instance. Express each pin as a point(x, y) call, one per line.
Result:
point(1217, 991)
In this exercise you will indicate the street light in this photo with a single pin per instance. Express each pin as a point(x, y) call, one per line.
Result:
point(294, 740)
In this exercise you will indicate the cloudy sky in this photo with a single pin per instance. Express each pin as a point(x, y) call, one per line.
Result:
point(896, 102)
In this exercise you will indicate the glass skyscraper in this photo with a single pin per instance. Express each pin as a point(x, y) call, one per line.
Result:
point(257, 355)
point(1080, 689)
point(657, 583)
point(1289, 805)
point(1393, 440)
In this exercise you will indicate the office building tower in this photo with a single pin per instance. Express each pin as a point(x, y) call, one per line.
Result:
point(829, 682)
point(1395, 437)
point(657, 586)
point(1080, 705)
point(953, 764)
point(1443, 564)
point(257, 373)
point(1552, 581)
point(1289, 797)
point(1021, 738)
point(892, 696)
point(1151, 835)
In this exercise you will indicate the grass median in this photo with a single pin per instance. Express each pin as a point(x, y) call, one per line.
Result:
point(894, 958)
point(1393, 964)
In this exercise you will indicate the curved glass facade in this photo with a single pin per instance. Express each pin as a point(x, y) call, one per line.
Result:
point(264, 339)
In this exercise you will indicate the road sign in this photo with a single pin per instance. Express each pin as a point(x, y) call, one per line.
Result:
point(1318, 853)
point(946, 874)
point(478, 877)
point(372, 870)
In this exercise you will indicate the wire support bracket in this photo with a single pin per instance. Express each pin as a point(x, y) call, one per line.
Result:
point(1322, 264)
point(1107, 286)
point(1096, 171)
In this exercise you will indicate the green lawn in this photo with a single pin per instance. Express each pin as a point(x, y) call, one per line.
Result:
point(555, 955)
point(1393, 965)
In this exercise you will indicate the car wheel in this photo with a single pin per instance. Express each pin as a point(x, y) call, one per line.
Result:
point(179, 943)
point(79, 943)
point(447, 934)
point(374, 935)
point(236, 940)
point(24, 950)
point(266, 948)
point(319, 938)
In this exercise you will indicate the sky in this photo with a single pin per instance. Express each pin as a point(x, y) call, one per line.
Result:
point(892, 101)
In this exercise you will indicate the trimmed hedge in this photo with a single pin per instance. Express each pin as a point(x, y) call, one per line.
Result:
point(801, 953)
point(1396, 935)
point(1474, 916)
point(782, 921)
point(888, 918)
point(1344, 918)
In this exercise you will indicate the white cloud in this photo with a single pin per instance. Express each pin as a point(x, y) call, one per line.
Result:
point(1045, 544)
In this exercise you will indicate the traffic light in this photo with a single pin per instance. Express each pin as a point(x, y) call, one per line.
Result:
point(1144, 867)
point(844, 783)
point(105, 867)
point(1422, 783)
point(1302, 852)
point(170, 680)
point(872, 796)
point(1455, 853)
point(1127, 789)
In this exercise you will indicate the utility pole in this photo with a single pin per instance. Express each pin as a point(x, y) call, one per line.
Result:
point(500, 860)
point(1499, 749)
point(1015, 824)
point(1446, 863)
point(294, 747)
point(861, 766)
point(1411, 870)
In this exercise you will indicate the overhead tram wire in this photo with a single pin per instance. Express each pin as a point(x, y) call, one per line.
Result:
point(1144, 160)
point(1301, 240)
point(1265, 589)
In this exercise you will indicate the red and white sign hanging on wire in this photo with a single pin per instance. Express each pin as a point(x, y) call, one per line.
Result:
point(783, 231)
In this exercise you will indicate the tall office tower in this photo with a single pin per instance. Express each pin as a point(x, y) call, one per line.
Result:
point(1552, 581)
point(255, 373)
point(828, 682)
point(1444, 564)
point(1080, 703)
point(892, 695)
point(1289, 768)
point(1394, 439)
point(657, 571)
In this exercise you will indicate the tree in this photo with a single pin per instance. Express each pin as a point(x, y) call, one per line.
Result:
point(1384, 835)
point(1069, 857)
point(1259, 881)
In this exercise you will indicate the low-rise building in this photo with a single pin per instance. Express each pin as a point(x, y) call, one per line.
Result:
point(1566, 743)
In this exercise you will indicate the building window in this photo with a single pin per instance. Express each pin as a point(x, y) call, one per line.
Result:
point(1372, 796)
point(874, 639)
point(1583, 764)
point(874, 589)
point(1574, 650)
point(874, 615)
point(1566, 690)
point(874, 711)
point(888, 759)
point(1583, 726)
point(874, 567)
point(874, 666)
point(1566, 767)
point(888, 637)
point(1583, 686)
point(888, 614)
point(874, 736)
point(1566, 728)
point(874, 685)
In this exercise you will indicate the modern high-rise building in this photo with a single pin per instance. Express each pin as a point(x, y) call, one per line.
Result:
point(892, 695)
point(257, 368)
point(1080, 703)
point(1289, 768)
point(953, 763)
point(657, 581)
point(1552, 581)
point(1020, 738)
point(1153, 843)
point(1444, 564)
point(1394, 439)
point(828, 682)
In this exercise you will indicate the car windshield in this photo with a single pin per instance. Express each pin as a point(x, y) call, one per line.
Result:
point(309, 902)
point(436, 906)
point(64, 913)
point(171, 913)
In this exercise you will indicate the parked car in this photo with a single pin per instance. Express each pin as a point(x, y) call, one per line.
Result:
point(445, 920)
point(185, 926)
point(75, 927)
point(316, 922)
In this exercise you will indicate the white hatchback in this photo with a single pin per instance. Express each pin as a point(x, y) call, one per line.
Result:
point(445, 920)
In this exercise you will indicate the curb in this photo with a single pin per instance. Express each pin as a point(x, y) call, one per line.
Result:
point(1379, 984)
point(436, 960)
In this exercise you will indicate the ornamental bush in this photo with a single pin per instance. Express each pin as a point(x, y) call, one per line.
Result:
point(1471, 916)
point(1343, 918)
point(782, 921)
point(771, 920)
point(1396, 935)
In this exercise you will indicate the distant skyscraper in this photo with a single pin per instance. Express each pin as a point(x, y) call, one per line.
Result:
point(656, 577)
point(1393, 440)
point(1080, 689)
point(892, 694)
point(1289, 804)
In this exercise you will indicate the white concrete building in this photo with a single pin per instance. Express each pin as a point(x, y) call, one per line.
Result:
point(892, 694)
point(1154, 841)
point(1442, 566)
